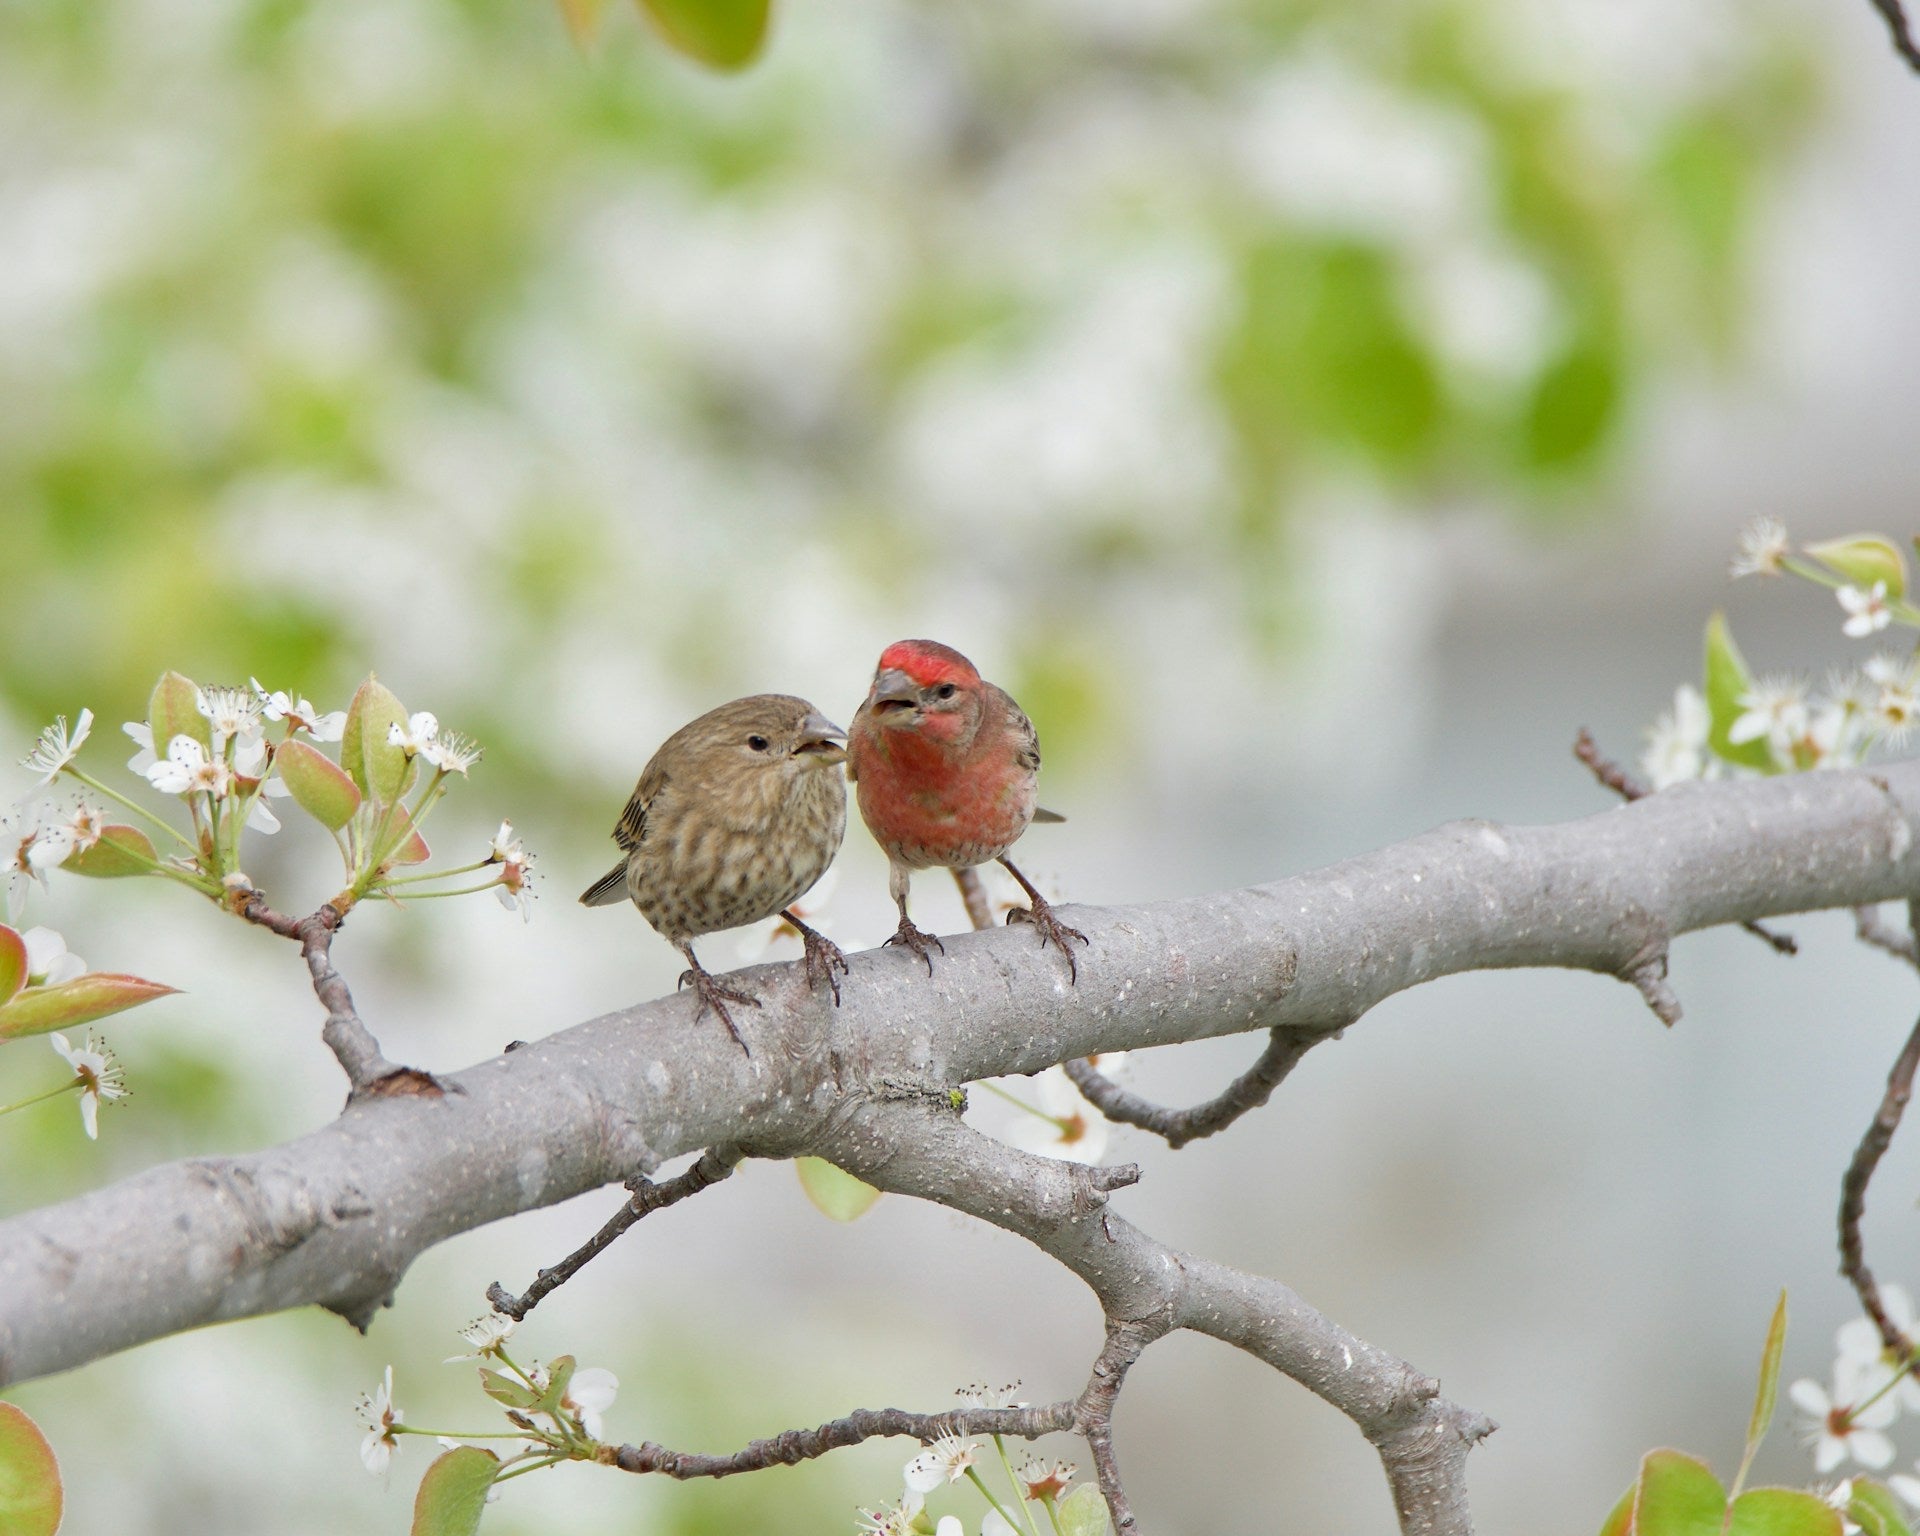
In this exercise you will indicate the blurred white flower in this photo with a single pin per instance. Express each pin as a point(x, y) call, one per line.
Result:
point(1067, 1127)
point(19, 831)
point(1864, 1356)
point(99, 1073)
point(187, 769)
point(1867, 611)
point(945, 1461)
point(1763, 548)
point(1677, 745)
point(379, 1415)
point(49, 962)
point(1838, 1428)
point(895, 1520)
point(995, 1524)
point(949, 1526)
point(589, 1395)
point(55, 748)
point(1774, 709)
point(514, 887)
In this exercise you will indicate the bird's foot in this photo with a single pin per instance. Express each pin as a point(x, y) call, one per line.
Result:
point(1050, 928)
point(917, 941)
point(822, 959)
point(715, 996)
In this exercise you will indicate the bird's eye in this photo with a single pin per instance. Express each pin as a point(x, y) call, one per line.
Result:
point(944, 691)
point(758, 743)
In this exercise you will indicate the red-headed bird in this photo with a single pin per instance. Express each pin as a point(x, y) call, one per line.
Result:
point(944, 764)
point(734, 819)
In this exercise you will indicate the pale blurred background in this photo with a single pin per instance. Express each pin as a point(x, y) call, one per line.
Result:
point(1313, 411)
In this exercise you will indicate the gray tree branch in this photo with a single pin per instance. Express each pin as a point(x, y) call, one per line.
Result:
point(336, 1217)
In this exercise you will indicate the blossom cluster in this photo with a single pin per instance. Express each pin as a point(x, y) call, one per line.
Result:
point(228, 754)
point(1871, 1390)
point(952, 1458)
point(572, 1401)
point(1743, 725)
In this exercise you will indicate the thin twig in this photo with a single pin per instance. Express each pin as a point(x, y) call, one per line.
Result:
point(1612, 776)
point(369, 1073)
point(1903, 41)
point(713, 1165)
point(1246, 1092)
point(1093, 1415)
point(797, 1445)
point(1897, 942)
point(1853, 1188)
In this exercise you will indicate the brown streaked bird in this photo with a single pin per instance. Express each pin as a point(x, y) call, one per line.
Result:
point(944, 765)
point(734, 818)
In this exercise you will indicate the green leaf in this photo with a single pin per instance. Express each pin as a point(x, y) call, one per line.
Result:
point(409, 846)
point(377, 767)
point(319, 786)
point(1782, 1512)
point(1677, 1496)
point(453, 1494)
point(834, 1191)
point(504, 1389)
point(559, 1378)
point(1727, 679)
point(13, 964)
point(722, 34)
point(1620, 1522)
point(1768, 1392)
point(1864, 559)
point(174, 710)
point(80, 1001)
point(1083, 1512)
point(122, 850)
point(30, 1496)
point(1875, 1510)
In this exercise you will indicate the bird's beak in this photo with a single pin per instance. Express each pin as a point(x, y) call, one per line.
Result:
point(893, 689)
point(821, 740)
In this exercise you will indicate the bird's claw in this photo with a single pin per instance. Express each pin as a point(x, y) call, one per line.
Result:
point(823, 958)
point(917, 941)
point(713, 995)
point(1051, 930)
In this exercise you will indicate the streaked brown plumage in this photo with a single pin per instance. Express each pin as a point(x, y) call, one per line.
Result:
point(944, 765)
point(734, 818)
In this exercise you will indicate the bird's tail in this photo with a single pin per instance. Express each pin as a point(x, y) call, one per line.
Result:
point(609, 888)
point(1043, 816)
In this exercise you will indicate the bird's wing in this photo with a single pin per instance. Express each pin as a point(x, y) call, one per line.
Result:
point(632, 825)
point(1026, 748)
point(857, 726)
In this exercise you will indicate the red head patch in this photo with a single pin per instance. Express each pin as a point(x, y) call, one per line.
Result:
point(928, 662)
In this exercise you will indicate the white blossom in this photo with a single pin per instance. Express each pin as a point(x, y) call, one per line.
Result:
point(590, 1394)
point(99, 1074)
point(1867, 612)
point(379, 1415)
point(1774, 709)
point(486, 1335)
point(1763, 548)
point(978, 1394)
point(1067, 1126)
point(142, 735)
point(299, 714)
point(232, 713)
point(417, 735)
point(49, 962)
point(1839, 1427)
point(1676, 747)
point(56, 748)
point(1863, 1355)
point(187, 769)
point(945, 1461)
